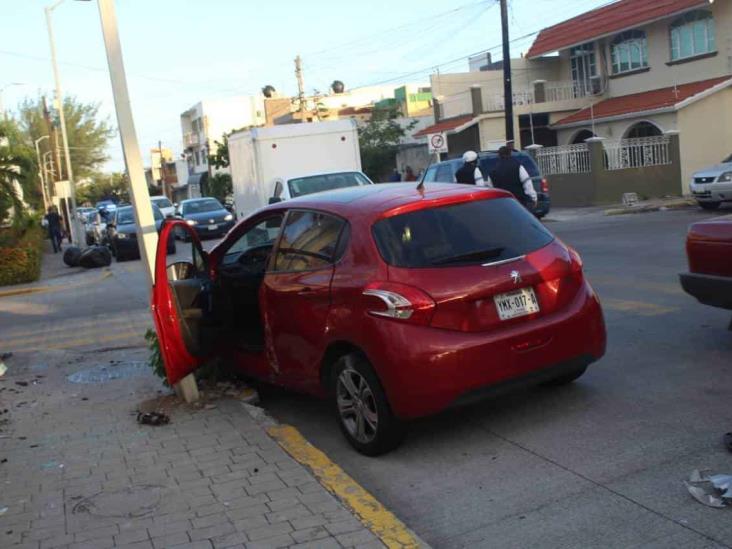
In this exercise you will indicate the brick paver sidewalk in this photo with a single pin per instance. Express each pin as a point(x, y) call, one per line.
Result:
point(76, 470)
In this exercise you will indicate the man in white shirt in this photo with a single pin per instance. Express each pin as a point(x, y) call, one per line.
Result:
point(469, 173)
point(510, 175)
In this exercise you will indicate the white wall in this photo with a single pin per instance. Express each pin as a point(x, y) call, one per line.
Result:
point(619, 129)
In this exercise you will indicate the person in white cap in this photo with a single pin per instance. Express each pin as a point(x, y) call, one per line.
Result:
point(470, 173)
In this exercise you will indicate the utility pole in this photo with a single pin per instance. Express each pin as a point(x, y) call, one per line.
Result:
point(300, 87)
point(40, 170)
point(53, 141)
point(163, 186)
point(73, 222)
point(147, 235)
point(507, 85)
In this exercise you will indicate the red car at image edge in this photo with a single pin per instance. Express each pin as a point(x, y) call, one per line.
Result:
point(396, 302)
point(709, 251)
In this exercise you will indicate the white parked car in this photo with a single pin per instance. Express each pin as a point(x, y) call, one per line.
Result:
point(713, 185)
point(166, 206)
point(285, 189)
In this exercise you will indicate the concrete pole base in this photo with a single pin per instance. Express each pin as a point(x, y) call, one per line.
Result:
point(187, 389)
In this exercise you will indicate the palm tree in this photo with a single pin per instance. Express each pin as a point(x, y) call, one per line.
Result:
point(11, 169)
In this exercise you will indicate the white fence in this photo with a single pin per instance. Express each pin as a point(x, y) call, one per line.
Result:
point(637, 153)
point(566, 159)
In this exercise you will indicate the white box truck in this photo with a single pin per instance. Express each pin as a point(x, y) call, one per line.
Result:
point(283, 162)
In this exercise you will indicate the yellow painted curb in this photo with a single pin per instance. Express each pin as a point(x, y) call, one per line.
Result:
point(389, 529)
point(41, 289)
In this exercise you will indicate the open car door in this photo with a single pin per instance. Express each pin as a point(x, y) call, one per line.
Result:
point(180, 300)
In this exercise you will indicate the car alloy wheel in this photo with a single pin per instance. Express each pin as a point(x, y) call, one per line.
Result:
point(357, 406)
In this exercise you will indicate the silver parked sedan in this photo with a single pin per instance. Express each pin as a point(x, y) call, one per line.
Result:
point(713, 185)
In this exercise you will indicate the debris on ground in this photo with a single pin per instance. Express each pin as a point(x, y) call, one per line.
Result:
point(152, 418)
point(3, 368)
point(710, 490)
point(3, 510)
point(71, 256)
point(95, 257)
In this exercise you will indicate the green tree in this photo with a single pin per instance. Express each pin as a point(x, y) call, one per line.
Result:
point(220, 158)
point(379, 140)
point(88, 133)
point(103, 186)
point(17, 166)
point(219, 186)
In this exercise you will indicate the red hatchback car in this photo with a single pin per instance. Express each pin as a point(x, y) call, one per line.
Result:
point(397, 302)
point(709, 251)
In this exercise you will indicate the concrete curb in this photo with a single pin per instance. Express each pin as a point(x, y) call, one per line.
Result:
point(672, 205)
point(392, 532)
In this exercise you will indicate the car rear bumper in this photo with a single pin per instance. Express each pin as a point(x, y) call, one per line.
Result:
point(425, 370)
point(715, 291)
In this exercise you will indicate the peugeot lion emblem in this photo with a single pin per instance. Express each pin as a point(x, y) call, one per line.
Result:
point(516, 277)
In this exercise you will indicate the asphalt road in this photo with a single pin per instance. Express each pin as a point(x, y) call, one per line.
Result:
point(595, 464)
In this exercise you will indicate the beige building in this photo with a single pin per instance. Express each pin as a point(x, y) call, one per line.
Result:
point(630, 69)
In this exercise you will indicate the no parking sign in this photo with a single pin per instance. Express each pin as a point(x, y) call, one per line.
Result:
point(437, 143)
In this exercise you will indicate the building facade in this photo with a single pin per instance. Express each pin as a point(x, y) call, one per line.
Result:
point(631, 69)
point(209, 120)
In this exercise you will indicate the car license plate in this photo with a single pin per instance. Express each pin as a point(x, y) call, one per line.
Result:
point(515, 304)
point(213, 227)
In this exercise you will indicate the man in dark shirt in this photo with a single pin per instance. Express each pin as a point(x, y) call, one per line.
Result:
point(54, 228)
point(510, 175)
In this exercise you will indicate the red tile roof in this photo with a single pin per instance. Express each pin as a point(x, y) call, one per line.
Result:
point(642, 102)
point(444, 125)
point(616, 17)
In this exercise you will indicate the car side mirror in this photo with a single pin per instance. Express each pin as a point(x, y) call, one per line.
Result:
point(275, 200)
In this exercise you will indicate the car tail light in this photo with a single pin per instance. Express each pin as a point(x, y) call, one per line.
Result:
point(399, 302)
point(544, 186)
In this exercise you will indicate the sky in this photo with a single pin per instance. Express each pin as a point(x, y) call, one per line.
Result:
point(178, 52)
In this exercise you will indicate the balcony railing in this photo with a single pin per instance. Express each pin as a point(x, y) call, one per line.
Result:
point(191, 139)
point(567, 90)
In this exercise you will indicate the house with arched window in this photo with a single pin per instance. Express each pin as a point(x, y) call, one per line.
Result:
point(650, 67)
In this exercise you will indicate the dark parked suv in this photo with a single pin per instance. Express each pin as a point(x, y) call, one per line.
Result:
point(444, 172)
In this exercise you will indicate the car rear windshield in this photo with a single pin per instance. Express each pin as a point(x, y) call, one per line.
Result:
point(476, 232)
point(201, 206)
point(326, 182)
point(487, 163)
point(162, 202)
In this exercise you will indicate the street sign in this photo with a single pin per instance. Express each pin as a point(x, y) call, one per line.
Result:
point(437, 143)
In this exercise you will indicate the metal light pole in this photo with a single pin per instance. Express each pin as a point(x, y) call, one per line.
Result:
point(73, 222)
point(3, 114)
point(40, 170)
point(147, 235)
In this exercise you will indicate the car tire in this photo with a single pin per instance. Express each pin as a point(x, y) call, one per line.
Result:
point(368, 422)
point(567, 378)
point(710, 205)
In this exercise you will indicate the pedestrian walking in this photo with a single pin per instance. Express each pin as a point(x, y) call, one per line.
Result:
point(409, 174)
point(510, 175)
point(469, 173)
point(395, 176)
point(53, 221)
